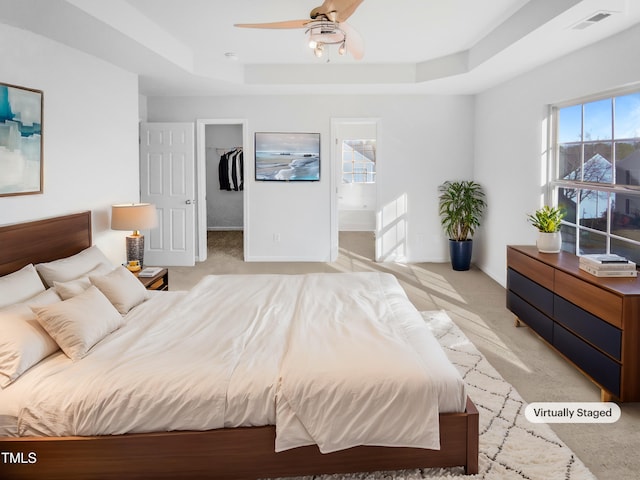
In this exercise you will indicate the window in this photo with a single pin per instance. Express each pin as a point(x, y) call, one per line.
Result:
point(358, 161)
point(597, 179)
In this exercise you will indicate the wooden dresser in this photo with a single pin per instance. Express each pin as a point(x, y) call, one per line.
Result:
point(593, 322)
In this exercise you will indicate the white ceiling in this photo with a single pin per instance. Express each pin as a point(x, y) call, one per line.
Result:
point(178, 47)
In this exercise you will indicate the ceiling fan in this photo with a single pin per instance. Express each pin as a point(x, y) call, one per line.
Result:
point(326, 26)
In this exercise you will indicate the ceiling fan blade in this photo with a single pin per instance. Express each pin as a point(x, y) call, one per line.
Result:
point(354, 42)
point(337, 10)
point(275, 25)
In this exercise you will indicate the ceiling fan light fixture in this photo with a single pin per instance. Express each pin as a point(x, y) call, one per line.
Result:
point(324, 32)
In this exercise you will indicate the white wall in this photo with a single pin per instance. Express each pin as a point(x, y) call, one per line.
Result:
point(422, 141)
point(510, 136)
point(90, 133)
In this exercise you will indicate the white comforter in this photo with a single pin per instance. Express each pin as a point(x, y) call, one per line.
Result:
point(333, 359)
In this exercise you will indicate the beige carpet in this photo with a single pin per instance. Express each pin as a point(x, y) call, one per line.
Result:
point(476, 303)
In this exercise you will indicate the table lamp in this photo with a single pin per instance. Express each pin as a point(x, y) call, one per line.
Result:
point(136, 217)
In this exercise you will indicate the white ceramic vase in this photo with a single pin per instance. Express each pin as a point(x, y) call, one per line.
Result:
point(549, 242)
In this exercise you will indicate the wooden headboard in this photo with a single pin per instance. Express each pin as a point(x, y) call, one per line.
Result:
point(43, 240)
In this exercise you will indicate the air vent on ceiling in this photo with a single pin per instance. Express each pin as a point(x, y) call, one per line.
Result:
point(591, 20)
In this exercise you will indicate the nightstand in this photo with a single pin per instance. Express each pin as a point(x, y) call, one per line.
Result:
point(160, 281)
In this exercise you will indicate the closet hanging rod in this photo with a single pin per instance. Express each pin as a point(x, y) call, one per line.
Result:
point(222, 151)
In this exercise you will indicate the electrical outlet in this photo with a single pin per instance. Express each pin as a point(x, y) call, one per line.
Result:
point(276, 237)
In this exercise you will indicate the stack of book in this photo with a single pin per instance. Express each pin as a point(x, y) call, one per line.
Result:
point(608, 265)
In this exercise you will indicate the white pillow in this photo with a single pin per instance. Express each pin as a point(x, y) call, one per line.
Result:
point(47, 297)
point(23, 341)
point(66, 290)
point(19, 286)
point(122, 289)
point(79, 323)
point(71, 267)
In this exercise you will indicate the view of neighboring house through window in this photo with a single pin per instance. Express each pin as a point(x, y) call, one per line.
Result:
point(598, 175)
point(358, 161)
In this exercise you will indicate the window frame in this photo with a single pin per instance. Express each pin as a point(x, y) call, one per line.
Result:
point(353, 173)
point(555, 183)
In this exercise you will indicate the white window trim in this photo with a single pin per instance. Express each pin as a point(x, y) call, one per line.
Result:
point(553, 166)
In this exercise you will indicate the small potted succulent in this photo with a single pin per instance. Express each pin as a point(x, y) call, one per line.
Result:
point(548, 221)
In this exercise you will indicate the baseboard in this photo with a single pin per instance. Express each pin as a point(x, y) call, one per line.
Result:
point(224, 229)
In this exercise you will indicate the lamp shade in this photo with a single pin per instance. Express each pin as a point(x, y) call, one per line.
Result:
point(133, 216)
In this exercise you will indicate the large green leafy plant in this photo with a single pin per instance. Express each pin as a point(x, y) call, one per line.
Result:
point(461, 207)
point(547, 219)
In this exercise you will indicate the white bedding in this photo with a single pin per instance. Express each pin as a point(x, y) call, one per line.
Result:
point(333, 359)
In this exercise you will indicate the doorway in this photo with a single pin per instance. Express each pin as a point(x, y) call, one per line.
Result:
point(222, 198)
point(355, 154)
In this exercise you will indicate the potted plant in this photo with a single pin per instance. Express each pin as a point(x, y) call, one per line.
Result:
point(548, 221)
point(461, 206)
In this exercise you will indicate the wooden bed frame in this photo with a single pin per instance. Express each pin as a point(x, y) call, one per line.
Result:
point(230, 453)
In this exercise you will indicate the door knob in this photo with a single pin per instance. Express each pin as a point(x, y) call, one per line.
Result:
point(189, 202)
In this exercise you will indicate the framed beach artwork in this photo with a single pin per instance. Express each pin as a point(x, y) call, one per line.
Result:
point(287, 157)
point(20, 140)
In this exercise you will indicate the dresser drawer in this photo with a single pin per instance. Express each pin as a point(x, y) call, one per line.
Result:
point(600, 302)
point(596, 331)
point(535, 319)
point(597, 365)
point(531, 268)
point(530, 291)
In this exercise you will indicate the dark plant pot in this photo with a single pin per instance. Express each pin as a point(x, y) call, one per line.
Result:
point(460, 253)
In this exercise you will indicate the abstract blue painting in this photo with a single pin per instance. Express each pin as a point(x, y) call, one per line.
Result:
point(20, 140)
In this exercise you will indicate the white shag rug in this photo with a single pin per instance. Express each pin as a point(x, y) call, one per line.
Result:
point(511, 448)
